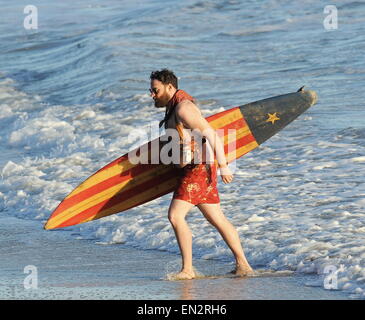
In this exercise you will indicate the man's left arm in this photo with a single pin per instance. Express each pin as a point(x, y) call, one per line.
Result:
point(191, 118)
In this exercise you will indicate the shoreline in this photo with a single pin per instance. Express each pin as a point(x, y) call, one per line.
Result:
point(71, 269)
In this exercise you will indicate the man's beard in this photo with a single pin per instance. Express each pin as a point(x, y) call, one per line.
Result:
point(158, 104)
point(163, 101)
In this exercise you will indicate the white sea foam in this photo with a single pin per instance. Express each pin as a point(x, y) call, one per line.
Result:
point(358, 159)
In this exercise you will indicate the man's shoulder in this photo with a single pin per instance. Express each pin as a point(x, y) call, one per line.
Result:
point(186, 107)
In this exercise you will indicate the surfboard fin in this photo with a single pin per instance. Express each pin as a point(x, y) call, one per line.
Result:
point(301, 89)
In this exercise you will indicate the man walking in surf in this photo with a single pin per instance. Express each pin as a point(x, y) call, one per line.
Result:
point(198, 181)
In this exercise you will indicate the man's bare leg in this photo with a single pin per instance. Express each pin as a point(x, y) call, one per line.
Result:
point(177, 213)
point(214, 214)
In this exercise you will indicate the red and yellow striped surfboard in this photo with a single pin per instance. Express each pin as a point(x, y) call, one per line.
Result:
point(121, 185)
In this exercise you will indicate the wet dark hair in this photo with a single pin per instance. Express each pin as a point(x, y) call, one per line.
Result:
point(165, 76)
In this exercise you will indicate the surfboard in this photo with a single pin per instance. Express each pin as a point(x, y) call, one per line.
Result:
point(122, 185)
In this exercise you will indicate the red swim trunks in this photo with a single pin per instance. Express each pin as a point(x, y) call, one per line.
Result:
point(198, 184)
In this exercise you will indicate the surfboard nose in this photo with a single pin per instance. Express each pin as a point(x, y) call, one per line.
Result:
point(311, 96)
point(267, 117)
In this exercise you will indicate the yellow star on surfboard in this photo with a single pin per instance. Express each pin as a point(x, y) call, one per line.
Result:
point(272, 117)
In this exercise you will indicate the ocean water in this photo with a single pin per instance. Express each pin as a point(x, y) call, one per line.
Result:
point(72, 90)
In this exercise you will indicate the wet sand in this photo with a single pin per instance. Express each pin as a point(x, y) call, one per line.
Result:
point(68, 268)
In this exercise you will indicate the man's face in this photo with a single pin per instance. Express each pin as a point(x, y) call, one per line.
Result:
point(161, 93)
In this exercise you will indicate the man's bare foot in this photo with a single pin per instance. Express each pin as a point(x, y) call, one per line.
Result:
point(242, 271)
point(184, 275)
